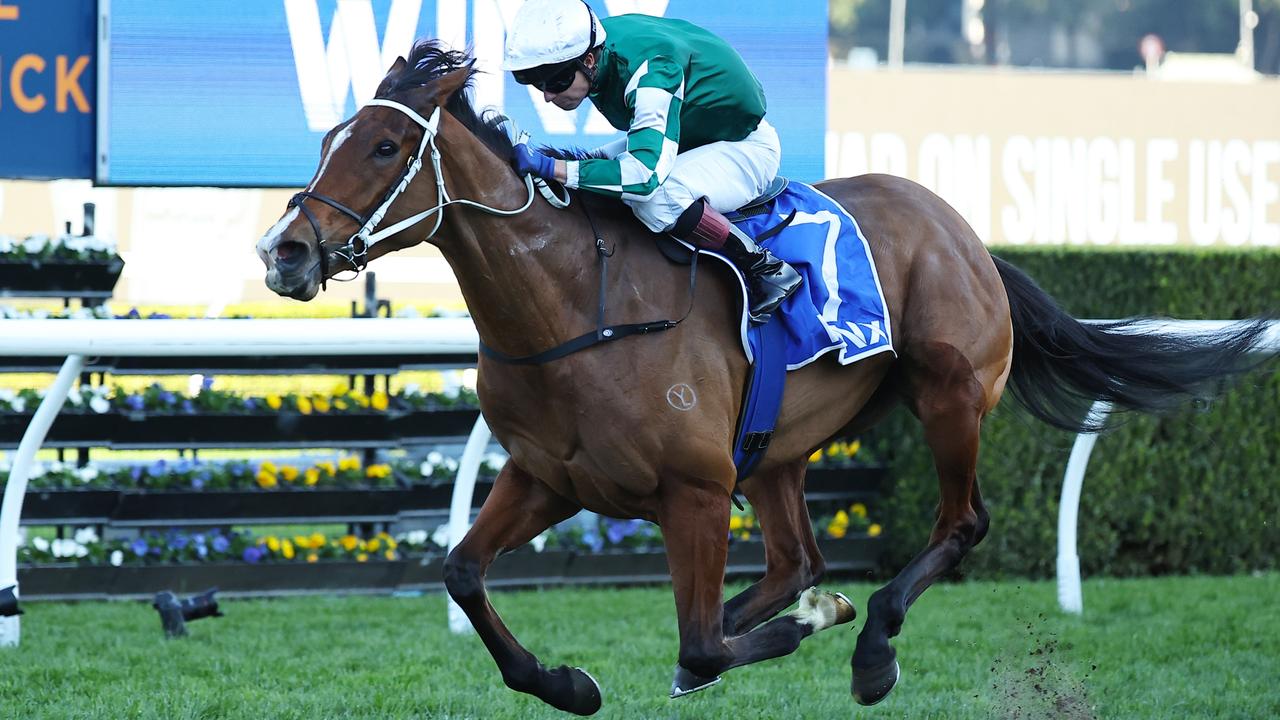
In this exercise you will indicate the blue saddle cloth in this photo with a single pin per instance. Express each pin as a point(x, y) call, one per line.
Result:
point(840, 308)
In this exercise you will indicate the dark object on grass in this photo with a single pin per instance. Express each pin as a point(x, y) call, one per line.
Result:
point(9, 601)
point(175, 613)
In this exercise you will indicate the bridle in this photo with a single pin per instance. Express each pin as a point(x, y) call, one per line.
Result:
point(357, 247)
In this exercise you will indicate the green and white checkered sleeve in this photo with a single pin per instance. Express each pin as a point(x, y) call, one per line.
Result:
point(655, 94)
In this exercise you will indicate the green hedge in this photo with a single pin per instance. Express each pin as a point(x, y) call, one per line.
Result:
point(1198, 491)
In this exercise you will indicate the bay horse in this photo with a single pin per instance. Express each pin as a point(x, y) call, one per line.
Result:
point(595, 429)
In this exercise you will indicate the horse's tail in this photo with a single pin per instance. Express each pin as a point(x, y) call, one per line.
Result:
point(1061, 365)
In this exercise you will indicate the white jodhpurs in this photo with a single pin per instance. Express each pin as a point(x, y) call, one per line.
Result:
point(728, 174)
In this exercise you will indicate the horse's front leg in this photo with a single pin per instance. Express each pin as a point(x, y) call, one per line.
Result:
point(694, 515)
point(518, 508)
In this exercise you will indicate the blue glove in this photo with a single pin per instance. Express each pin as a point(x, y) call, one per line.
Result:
point(528, 161)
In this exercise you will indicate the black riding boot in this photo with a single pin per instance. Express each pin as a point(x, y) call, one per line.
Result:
point(769, 280)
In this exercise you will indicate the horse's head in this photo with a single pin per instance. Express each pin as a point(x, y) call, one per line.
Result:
point(363, 180)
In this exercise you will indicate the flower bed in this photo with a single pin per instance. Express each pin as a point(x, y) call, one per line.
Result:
point(157, 417)
point(60, 266)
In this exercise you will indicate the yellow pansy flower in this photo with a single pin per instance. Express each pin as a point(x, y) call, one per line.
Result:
point(287, 550)
point(379, 401)
point(269, 466)
point(735, 523)
point(380, 470)
point(274, 402)
point(266, 480)
point(341, 388)
point(362, 557)
point(321, 404)
point(303, 542)
point(853, 448)
point(349, 542)
point(327, 466)
point(340, 404)
point(317, 540)
point(858, 509)
point(362, 400)
point(373, 545)
point(312, 557)
point(304, 406)
point(874, 530)
point(312, 477)
point(288, 473)
point(816, 456)
point(744, 535)
point(390, 554)
point(273, 543)
point(351, 462)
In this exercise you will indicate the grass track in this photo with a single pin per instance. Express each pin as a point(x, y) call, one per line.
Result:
point(1152, 648)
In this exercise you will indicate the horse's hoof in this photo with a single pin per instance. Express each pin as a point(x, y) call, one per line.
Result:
point(872, 686)
point(845, 611)
point(575, 691)
point(686, 682)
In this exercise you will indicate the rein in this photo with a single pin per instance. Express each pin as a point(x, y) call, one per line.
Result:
point(357, 248)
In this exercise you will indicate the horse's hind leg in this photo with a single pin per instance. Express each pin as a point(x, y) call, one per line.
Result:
point(791, 556)
point(695, 524)
point(518, 508)
point(950, 402)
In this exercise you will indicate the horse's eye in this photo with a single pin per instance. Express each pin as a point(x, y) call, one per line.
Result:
point(386, 149)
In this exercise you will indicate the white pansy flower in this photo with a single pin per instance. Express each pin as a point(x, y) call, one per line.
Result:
point(80, 550)
point(86, 536)
point(99, 404)
point(82, 313)
point(426, 468)
point(7, 243)
point(117, 558)
point(98, 243)
point(435, 457)
point(19, 404)
point(411, 389)
point(87, 475)
point(415, 537)
point(63, 547)
point(450, 464)
point(37, 470)
point(35, 244)
point(40, 544)
point(74, 243)
point(441, 536)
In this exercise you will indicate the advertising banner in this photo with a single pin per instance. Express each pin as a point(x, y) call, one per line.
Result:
point(241, 92)
point(47, 88)
point(1036, 158)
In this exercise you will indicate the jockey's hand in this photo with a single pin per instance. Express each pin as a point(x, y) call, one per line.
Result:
point(528, 161)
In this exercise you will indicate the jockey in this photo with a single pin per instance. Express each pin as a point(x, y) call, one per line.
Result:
point(697, 142)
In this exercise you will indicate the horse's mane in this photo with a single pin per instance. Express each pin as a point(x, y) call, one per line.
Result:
point(431, 59)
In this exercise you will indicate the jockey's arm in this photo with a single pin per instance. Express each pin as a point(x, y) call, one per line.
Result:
point(656, 94)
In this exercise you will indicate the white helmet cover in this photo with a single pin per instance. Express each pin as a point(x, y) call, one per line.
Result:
point(551, 31)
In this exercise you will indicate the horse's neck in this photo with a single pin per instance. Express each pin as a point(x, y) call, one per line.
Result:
point(528, 279)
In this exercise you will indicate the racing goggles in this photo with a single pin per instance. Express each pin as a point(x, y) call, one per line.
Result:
point(554, 79)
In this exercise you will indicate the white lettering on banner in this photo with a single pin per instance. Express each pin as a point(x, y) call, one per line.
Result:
point(1160, 191)
point(352, 59)
point(1087, 191)
point(1266, 193)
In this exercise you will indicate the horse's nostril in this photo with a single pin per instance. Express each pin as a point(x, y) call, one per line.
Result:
point(290, 252)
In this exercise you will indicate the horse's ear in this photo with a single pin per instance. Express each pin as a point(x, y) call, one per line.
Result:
point(398, 66)
point(388, 81)
point(448, 85)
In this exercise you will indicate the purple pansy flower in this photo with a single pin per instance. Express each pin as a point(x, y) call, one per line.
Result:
point(221, 544)
point(139, 547)
point(252, 554)
point(168, 398)
point(188, 407)
point(135, 402)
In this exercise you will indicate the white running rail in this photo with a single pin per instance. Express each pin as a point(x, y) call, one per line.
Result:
point(77, 340)
point(1070, 594)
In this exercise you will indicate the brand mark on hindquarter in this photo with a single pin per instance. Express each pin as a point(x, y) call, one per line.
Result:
point(681, 397)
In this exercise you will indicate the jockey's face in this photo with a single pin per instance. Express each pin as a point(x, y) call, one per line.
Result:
point(572, 97)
